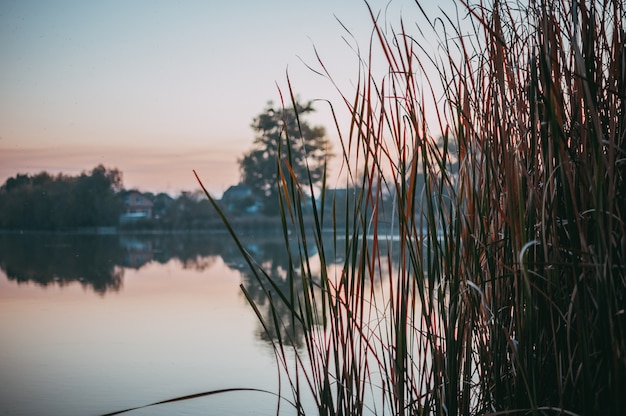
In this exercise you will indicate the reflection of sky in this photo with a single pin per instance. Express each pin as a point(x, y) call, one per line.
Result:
point(124, 83)
point(169, 332)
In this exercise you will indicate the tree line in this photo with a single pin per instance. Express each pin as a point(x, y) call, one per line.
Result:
point(96, 198)
point(92, 199)
point(54, 202)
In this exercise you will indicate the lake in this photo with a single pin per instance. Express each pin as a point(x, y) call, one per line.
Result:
point(94, 324)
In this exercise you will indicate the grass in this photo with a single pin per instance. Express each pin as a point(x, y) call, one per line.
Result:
point(484, 269)
point(479, 271)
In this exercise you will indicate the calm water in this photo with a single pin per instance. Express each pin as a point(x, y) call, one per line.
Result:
point(94, 324)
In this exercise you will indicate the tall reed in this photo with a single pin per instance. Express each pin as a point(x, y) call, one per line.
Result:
point(483, 269)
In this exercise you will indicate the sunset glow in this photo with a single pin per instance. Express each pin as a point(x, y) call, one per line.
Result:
point(157, 89)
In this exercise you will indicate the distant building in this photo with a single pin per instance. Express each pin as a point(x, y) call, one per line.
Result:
point(136, 207)
point(240, 199)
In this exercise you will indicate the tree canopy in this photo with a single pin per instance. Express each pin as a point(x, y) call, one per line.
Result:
point(46, 202)
point(282, 135)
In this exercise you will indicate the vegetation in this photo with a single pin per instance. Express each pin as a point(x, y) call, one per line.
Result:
point(43, 202)
point(510, 291)
point(46, 202)
point(308, 152)
point(188, 211)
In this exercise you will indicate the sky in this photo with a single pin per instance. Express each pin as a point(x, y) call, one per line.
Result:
point(160, 88)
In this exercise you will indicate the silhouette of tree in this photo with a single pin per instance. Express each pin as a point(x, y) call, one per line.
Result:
point(301, 148)
point(46, 202)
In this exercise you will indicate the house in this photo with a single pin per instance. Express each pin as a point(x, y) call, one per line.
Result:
point(137, 206)
point(240, 199)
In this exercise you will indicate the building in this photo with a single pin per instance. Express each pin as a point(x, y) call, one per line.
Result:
point(137, 206)
point(240, 199)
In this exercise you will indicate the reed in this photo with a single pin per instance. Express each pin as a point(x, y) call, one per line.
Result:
point(484, 269)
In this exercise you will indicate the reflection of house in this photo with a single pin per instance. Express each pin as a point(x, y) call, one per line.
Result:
point(136, 252)
point(136, 206)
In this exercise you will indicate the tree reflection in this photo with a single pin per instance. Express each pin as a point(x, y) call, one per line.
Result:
point(273, 259)
point(98, 262)
point(194, 251)
point(276, 276)
point(61, 259)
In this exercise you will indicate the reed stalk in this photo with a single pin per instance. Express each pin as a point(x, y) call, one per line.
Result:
point(482, 270)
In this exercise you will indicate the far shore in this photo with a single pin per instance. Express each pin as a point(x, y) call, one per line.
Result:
point(242, 225)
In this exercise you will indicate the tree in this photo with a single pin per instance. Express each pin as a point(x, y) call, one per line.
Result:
point(46, 202)
point(301, 149)
point(95, 197)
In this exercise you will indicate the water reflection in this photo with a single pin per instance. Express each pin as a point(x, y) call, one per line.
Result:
point(273, 258)
point(62, 259)
point(98, 263)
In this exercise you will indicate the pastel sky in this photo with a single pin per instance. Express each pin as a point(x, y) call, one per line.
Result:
point(158, 88)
